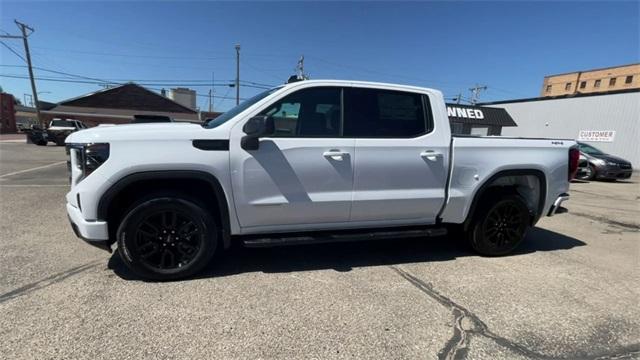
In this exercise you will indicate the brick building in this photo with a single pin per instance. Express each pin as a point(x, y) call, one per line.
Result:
point(624, 77)
point(118, 105)
point(7, 114)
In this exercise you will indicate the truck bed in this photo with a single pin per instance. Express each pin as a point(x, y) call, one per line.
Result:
point(475, 159)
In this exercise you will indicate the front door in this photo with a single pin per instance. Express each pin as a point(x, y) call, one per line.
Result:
point(302, 176)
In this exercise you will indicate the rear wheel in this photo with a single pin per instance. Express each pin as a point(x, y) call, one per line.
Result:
point(499, 228)
point(167, 238)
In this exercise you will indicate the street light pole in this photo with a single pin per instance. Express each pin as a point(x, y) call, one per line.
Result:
point(237, 74)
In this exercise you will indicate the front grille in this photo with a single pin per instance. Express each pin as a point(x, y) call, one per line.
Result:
point(625, 166)
point(68, 152)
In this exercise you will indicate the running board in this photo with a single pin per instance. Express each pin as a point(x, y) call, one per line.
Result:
point(258, 241)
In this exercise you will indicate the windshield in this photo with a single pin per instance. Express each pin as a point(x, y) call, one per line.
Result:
point(588, 149)
point(62, 123)
point(238, 109)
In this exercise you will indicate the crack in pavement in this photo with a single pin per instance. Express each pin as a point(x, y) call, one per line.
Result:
point(624, 225)
point(466, 324)
point(458, 345)
point(40, 284)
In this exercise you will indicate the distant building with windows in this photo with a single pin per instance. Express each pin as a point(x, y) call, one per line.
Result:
point(608, 121)
point(602, 80)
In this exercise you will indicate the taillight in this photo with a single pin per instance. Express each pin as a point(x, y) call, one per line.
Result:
point(574, 159)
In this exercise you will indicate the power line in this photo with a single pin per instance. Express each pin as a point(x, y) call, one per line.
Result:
point(13, 51)
point(138, 56)
point(74, 81)
point(178, 82)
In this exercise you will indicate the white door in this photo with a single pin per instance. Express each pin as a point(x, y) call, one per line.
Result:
point(400, 161)
point(302, 176)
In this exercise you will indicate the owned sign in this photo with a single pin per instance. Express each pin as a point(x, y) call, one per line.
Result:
point(597, 135)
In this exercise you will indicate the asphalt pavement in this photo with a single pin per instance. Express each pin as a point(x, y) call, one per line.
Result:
point(570, 292)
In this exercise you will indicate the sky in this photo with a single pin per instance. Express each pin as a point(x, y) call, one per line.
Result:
point(509, 46)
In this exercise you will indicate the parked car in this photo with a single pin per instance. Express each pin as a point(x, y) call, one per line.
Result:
point(596, 164)
point(308, 162)
point(59, 129)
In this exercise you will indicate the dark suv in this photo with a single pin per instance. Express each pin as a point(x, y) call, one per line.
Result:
point(595, 164)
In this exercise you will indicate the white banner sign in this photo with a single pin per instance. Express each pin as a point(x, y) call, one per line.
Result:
point(597, 135)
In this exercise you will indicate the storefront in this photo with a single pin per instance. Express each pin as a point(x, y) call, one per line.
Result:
point(478, 120)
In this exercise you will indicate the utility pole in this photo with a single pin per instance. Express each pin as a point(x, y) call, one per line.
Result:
point(23, 28)
point(300, 75)
point(211, 91)
point(475, 93)
point(300, 68)
point(237, 74)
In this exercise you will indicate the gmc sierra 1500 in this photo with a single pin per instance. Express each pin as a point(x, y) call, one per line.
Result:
point(307, 162)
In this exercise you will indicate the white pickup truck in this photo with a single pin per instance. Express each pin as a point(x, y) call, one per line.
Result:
point(308, 162)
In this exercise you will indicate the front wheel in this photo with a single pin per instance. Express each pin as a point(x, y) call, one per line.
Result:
point(167, 238)
point(589, 173)
point(499, 228)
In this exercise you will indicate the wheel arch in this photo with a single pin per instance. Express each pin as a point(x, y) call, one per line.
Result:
point(494, 182)
point(112, 198)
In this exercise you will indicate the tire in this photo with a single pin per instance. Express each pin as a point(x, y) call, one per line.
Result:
point(589, 174)
point(167, 238)
point(499, 227)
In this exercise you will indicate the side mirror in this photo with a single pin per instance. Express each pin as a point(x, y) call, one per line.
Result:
point(255, 128)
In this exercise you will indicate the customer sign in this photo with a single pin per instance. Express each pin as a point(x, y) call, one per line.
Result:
point(597, 135)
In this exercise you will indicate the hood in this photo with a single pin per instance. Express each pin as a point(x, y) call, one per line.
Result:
point(607, 157)
point(139, 132)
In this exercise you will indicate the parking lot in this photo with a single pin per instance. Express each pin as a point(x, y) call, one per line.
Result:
point(571, 291)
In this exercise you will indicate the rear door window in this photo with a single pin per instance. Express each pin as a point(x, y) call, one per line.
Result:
point(384, 114)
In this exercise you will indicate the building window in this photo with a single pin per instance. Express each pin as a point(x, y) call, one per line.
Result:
point(567, 87)
point(612, 82)
point(583, 84)
point(548, 88)
point(597, 83)
point(629, 79)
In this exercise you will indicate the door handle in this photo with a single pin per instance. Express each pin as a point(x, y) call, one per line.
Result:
point(430, 155)
point(336, 155)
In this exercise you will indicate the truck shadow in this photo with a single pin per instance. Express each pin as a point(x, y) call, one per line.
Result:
point(346, 256)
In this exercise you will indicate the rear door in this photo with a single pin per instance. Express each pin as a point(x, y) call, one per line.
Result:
point(400, 161)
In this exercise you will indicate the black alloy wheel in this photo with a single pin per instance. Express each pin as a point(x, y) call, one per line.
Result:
point(167, 238)
point(501, 227)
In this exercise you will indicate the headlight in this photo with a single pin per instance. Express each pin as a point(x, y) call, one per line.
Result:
point(598, 161)
point(86, 158)
point(612, 163)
